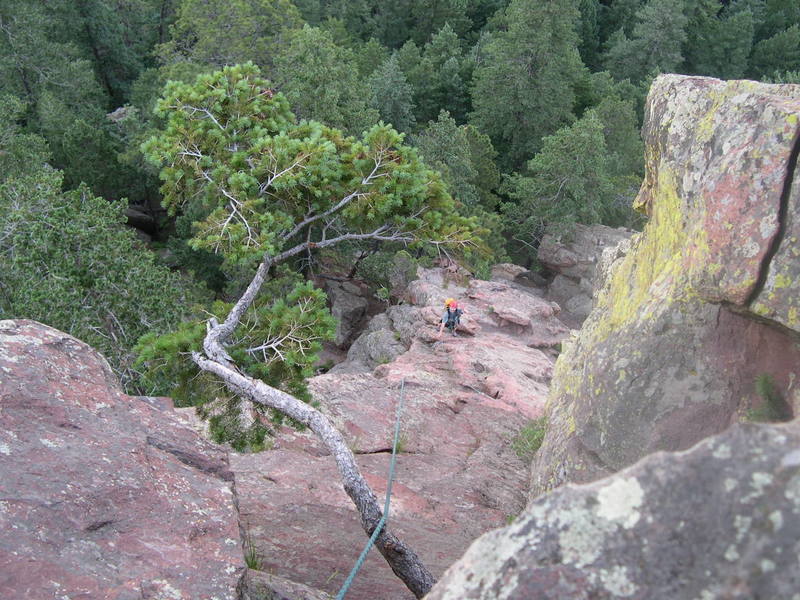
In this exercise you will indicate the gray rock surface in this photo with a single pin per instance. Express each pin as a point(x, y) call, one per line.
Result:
point(574, 257)
point(348, 306)
point(703, 304)
point(720, 521)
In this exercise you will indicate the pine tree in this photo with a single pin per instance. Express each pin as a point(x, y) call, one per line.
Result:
point(322, 82)
point(718, 41)
point(589, 33)
point(392, 96)
point(523, 85)
point(618, 15)
point(779, 53)
point(224, 32)
point(655, 43)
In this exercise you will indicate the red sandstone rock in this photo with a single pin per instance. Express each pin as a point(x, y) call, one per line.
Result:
point(705, 300)
point(104, 495)
point(457, 475)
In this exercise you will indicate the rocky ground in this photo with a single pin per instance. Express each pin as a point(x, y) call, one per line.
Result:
point(465, 399)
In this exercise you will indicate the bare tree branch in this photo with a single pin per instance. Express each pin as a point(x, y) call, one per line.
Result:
point(402, 559)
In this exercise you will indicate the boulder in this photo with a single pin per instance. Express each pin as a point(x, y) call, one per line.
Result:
point(258, 585)
point(576, 252)
point(704, 303)
point(402, 272)
point(573, 257)
point(104, 495)
point(140, 219)
point(721, 520)
point(348, 306)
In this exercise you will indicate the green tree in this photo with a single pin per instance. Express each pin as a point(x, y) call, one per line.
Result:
point(572, 180)
point(465, 158)
point(778, 16)
point(523, 88)
point(224, 32)
point(589, 32)
point(271, 189)
point(619, 15)
point(655, 44)
point(20, 153)
point(321, 81)
point(64, 102)
point(718, 42)
point(442, 85)
point(438, 73)
point(117, 36)
point(92, 278)
point(392, 96)
point(781, 52)
point(431, 16)
point(369, 56)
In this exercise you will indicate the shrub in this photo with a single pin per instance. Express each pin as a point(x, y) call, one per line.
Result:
point(529, 439)
point(68, 260)
point(773, 406)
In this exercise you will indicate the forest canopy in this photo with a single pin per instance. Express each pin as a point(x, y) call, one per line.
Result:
point(495, 96)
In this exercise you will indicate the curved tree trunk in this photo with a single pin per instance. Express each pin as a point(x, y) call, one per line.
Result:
point(403, 560)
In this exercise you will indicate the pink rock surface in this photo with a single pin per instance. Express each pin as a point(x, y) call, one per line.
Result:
point(465, 399)
point(104, 496)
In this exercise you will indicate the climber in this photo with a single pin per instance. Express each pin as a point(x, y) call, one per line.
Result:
point(451, 317)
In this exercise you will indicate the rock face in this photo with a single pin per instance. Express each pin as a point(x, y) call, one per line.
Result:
point(719, 521)
point(574, 259)
point(465, 399)
point(348, 306)
point(104, 495)
point(706, 300)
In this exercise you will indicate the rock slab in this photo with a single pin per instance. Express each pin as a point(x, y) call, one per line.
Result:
point(704, 302)
point(721, 520)
point(465, 399)
point(104, 496)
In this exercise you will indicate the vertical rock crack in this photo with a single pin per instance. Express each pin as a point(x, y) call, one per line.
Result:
point(783, 210)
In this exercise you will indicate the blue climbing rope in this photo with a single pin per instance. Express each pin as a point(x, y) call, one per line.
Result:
point(385, 516)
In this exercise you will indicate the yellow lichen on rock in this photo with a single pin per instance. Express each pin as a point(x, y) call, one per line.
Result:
point(651, 270)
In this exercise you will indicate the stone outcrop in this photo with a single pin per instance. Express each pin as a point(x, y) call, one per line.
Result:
point(706, 300)
point(348, 307)
point(573, 257)
point(719, 521)
point(465, 400)
point(104, 495)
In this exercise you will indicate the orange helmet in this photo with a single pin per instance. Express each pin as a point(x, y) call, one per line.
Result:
point(450, 302)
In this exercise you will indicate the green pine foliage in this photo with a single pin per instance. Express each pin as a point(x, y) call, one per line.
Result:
point(321, 81)
point(574, 179)
point(523, 85)
point(223, 32)
point(781, 52)
point(392, 96)
point(279, 342)
point(92, 278)
point(719, 42)
point(654, 46)
point(465, 158)
point(232, 150)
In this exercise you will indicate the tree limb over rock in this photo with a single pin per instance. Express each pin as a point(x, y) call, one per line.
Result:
point(270, 189)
